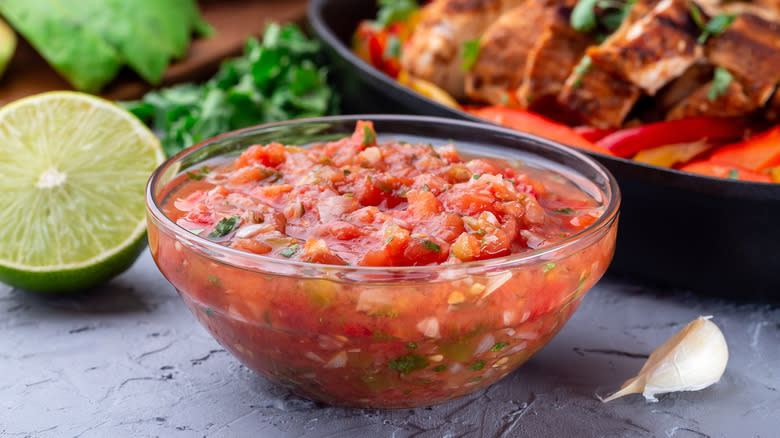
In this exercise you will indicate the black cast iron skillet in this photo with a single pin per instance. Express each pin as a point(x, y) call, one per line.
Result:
point(714, 236)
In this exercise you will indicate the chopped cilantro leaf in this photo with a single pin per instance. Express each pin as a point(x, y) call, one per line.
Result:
point(431, 246)
point(393, 49)
point(476, 176)
point(499, 346)
point(549, 267)
point(215, 280)
point(582, 67)
point(407, 364)
point(440, 368)
point(411, 345)
point(426, 188)
point(369, 136)
point(391, 11)
point(195, 175)
point(290, 251)
point(470, 54)
point(720, 83)
point(224, 227)
point(733, 174)
point(478, 365)
point(564, 210)
point(583, 16)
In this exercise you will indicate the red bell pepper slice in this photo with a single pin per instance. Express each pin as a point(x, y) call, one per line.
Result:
point(720, 170)
point(593, 134)
point(627, 142)
point(532, 123)
point(757, 153)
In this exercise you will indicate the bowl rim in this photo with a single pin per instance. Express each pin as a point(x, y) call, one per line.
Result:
point(610, 214)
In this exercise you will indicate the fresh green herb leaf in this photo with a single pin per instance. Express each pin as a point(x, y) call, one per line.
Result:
point(475, 379)
point(391, 11)
point(426, 188)
point(224, 227)
point(431, 246)
point(208, 310)
point(290, 251)
point(476, 176)
point(499, 346)
point(583, 16)
point(349, 195)
point(470, 54)
point(439, 368)
point(549, 267)
point(583, 67)
point(733, 174)
point(393, 49)
point(715, 26)
point(720, 83)
point(369, 136)
point(411, 345)
point(195, 175)
point(564, 210)
point(719, 23)
point(407, 392)
point(407, 364)
point(347, 171)
point(478, 365)
point(279, 78)
point(214, 280)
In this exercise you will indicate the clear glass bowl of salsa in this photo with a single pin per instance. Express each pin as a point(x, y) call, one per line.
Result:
point(436, 325)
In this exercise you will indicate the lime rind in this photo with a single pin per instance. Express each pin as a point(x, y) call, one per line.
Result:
point(74, 170)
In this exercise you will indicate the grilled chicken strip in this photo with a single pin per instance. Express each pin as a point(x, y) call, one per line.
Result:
point(503, 51)
point(554, 55)
point(596, 98)
point(435, 50)
point(654, 49)
point(750, 50)
point(733, 102)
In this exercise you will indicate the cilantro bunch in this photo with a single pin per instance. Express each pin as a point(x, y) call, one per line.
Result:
point(278, 78)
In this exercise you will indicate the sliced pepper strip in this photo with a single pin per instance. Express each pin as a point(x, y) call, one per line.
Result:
point(627, 142)
point(672, 154)
point(720, 170)
point(427, 89)
point(757, 153)
point(532, 123)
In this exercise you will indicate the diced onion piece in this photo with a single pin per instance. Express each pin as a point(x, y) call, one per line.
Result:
point(339, 360)
point(429, 327)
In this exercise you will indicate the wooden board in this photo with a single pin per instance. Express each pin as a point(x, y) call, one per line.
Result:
point(233, 20)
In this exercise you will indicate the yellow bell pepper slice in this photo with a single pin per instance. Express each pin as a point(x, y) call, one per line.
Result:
point(671, 154)
point(427, 89)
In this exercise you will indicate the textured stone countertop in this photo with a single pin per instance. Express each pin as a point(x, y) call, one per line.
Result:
point(130, 360)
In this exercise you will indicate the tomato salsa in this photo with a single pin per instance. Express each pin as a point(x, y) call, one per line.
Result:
point(357, 202)
point(415, 336)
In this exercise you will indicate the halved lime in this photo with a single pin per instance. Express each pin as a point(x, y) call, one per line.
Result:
point(73, 168)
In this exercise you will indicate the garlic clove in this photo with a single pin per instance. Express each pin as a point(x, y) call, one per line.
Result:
point(693, 359)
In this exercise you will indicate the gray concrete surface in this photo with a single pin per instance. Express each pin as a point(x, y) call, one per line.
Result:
point(130, 360)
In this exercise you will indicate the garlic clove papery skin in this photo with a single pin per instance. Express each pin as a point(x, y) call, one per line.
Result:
point(693, 359)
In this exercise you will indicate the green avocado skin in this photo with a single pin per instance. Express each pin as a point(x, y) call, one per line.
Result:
point(88, 41)
point(76, 52)
point(7, 45)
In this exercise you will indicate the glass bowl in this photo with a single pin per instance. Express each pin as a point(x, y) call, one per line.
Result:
point(385, 337)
